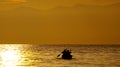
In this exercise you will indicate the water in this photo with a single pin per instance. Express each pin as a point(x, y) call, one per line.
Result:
point(46, 56)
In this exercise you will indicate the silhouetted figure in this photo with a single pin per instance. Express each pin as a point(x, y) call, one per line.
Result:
point(66, 54)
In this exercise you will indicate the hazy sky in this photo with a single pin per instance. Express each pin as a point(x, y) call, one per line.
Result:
point(60, 21)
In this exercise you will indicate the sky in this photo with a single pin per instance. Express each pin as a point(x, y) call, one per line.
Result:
point(60, 21)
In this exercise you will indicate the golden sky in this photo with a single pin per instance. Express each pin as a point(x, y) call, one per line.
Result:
point(60, 21)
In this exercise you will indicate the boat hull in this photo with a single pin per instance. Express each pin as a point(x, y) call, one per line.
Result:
point(66, 56)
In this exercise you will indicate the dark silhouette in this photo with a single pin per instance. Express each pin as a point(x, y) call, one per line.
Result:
point(66, 54)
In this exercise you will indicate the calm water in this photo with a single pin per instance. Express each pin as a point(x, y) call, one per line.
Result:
point(45, 56)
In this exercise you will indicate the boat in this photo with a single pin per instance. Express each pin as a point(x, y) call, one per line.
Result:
point(66, 54)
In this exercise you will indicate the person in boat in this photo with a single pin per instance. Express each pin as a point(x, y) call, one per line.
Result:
point(66, 54)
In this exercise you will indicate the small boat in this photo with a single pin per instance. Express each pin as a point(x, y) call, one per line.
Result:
point(66, 54)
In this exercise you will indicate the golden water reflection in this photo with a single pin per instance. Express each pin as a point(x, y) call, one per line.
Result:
point(9, 56)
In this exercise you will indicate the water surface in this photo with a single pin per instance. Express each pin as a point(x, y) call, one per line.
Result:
point(46, 56)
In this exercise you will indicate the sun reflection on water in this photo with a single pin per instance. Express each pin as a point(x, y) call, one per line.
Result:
point(9, 56)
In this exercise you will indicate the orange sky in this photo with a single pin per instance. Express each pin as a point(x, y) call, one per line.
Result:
point(60, 21)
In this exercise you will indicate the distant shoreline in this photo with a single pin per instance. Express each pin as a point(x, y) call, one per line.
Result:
point(68, 44)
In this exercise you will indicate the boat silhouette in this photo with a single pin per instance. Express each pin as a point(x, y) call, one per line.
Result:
point(66, 54)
